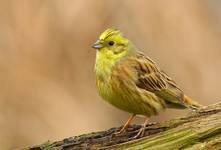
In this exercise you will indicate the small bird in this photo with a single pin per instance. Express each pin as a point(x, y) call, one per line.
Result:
point(131, 81)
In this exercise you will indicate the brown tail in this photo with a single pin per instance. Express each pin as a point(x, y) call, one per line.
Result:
point(191, 103)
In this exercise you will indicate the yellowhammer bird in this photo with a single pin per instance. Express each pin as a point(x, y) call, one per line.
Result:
point(131, 81)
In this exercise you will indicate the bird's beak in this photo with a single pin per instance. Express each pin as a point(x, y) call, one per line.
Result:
point(97, 45)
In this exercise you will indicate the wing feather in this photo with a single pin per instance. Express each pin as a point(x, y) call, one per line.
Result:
point(153, 79)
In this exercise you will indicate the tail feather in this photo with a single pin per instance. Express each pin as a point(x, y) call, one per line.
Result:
point(190, 103)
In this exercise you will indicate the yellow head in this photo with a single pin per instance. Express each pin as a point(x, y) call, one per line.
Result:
point(113, 45)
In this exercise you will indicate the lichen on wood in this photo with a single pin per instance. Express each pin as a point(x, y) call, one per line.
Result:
point(198, 130)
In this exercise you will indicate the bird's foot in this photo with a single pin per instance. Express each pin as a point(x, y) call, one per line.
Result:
point(122, 130)
point(140, 133)
point(142, 130)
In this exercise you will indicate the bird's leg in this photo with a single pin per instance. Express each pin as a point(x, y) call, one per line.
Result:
point(126, 125)
point(142, 129)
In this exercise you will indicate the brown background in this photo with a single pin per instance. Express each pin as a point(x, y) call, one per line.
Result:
point(47, 88)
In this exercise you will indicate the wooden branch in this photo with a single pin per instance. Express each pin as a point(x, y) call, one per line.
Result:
point(198, 130)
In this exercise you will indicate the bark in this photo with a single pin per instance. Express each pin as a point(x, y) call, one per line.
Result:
point(198, 130)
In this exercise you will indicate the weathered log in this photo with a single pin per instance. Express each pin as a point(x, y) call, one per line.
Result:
point(198, 130)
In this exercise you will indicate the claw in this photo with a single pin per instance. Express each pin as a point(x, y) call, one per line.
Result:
point(142, 130)
point(124, 128)
point(140, 133)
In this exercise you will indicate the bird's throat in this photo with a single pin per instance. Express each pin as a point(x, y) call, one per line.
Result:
point(103, 65)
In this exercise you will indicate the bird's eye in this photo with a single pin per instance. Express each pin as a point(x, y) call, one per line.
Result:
point(111, 43)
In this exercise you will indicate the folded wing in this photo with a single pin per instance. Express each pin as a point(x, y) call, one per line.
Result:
point(153, 79)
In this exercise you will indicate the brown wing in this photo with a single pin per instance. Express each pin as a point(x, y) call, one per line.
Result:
point(152, 79)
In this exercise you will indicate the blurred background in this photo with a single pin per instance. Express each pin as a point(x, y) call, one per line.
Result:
point(47, 82)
